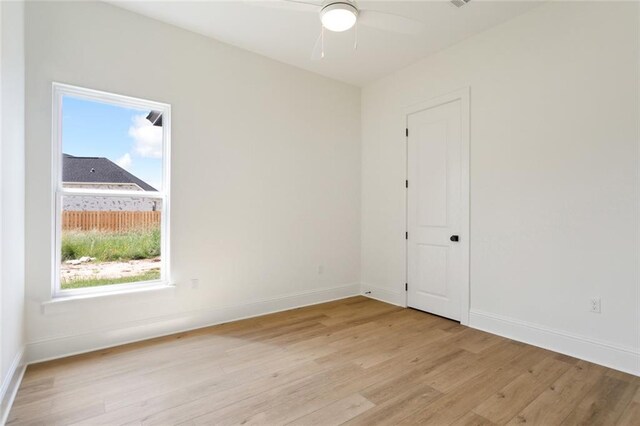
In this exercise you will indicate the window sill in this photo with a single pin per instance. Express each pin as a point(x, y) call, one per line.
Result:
point(65, 299)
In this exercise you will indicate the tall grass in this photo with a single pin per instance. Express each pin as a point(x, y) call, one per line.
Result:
point(110, 246)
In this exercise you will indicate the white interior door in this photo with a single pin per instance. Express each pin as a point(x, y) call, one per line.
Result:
point(437, 272)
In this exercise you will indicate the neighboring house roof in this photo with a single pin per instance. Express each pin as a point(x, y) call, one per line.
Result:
point(97, 170)
point(155, 117)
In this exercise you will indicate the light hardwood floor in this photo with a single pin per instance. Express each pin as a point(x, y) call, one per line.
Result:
point(355, 361)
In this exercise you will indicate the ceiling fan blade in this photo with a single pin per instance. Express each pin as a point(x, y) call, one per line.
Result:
point(390, 22)
point(299, 5)
point(316, 53)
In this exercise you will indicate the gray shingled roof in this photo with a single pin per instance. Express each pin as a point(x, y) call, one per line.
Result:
point(97, 170)
point(155, 117)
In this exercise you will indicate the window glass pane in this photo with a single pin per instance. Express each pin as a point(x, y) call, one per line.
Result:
point(108, 146)
point(109, 240)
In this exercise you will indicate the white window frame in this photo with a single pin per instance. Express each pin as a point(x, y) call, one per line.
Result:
point(59, 92)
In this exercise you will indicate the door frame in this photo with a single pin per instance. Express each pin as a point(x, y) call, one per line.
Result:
point(462, 95)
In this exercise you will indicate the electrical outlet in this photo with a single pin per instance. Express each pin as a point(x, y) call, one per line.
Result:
point(195, 283)
point(595, 305)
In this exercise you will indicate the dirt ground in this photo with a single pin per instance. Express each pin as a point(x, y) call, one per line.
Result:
point(93, 269)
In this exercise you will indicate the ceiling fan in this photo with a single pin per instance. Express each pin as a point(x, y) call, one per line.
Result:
point(342, 15)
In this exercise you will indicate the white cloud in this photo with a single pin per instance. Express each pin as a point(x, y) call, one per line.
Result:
point(125, 161)
point(157, 184)
point(147, 137)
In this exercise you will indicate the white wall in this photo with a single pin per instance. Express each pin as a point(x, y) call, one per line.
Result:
point(554, 163)
point(265, 176)
point(11, 198)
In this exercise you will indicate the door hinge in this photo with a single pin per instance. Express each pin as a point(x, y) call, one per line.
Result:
point(406, 235)
point(406, 132)
point(406, 183)
point(406, 286)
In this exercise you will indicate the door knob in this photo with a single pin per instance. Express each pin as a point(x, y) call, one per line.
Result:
point(454, 238)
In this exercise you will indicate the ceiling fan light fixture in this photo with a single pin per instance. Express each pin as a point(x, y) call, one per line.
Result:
point(338, 17)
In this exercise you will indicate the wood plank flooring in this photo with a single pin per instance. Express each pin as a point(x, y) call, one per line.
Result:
point(355, 361)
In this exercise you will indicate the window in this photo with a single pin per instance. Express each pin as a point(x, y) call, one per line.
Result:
point(111, 189)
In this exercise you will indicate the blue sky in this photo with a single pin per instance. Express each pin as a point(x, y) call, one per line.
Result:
point(123, 135)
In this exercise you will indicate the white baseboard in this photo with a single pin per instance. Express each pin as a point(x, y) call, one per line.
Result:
point(10, 384)
point(384, 295)
point(58, 347)
point(603, 353)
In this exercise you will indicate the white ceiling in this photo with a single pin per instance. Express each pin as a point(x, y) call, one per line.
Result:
point(288, 35)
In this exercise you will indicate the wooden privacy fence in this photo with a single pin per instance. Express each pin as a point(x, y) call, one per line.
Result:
point(112, 221)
